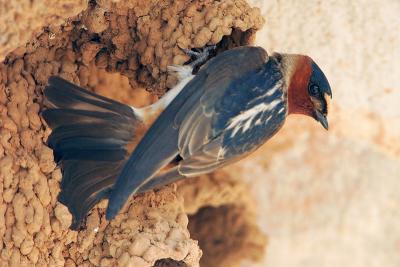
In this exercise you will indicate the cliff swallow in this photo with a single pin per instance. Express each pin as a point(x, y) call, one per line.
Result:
point(234, 103)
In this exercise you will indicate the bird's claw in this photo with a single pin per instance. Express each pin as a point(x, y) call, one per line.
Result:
point(191, 53)
point(199, 57)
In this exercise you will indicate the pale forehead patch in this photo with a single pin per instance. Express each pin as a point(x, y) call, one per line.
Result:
point(328, 102)
point(316, 102)
point(318, 105)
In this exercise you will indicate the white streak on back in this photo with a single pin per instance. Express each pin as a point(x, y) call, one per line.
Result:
point(269, 92)
point(244, 120)
point(277, 86)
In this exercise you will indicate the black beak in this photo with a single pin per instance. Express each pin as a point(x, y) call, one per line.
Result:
point(322, 119)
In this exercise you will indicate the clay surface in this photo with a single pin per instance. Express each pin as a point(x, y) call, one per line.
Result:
point(117, 49)
point(323, 199)
point(21, 20)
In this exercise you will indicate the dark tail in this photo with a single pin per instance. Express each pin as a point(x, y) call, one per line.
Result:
point(89, 139)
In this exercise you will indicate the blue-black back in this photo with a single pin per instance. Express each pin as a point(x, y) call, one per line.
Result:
point(252, 109)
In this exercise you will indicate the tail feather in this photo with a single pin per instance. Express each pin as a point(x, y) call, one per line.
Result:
point(88, 148)
point(86, 195)
point(89, 139)
point(67, 116)
point(74, 170)
point(64, 94)
point(87, 187)
point(65, 132)
point(100, 155)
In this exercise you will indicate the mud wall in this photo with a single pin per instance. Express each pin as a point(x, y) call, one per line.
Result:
point(119, 50)
point(324, 199)
point(21, 20)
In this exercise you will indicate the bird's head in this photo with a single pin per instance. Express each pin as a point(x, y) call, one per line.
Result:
point(308, 89)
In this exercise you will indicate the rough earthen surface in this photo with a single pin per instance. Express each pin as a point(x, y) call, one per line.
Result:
point(21, 20)
point(137, 39)
point(223, 219)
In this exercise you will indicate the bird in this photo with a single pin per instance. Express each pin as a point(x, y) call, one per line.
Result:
point(234, 103)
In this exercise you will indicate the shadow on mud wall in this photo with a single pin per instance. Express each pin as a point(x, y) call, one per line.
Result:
point(227, 235)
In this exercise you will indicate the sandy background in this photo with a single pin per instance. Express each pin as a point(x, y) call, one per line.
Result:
point(322, 198)
point(333, 198)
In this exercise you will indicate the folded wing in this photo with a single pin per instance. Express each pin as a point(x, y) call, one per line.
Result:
point(164, 141)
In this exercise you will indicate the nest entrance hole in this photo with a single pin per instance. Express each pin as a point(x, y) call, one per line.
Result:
point(227, 236)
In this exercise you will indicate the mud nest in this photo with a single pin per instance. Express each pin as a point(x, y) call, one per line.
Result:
point(117, 49)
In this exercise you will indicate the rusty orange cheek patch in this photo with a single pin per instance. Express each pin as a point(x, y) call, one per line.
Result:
point(298, 98)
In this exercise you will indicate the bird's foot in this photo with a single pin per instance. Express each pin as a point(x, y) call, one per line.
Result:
point(199, 57)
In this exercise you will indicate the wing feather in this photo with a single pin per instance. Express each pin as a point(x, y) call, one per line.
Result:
point(220, 134)
point(204, 160)
point(177, 130)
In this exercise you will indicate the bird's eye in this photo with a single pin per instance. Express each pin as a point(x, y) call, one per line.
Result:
point(313, 90)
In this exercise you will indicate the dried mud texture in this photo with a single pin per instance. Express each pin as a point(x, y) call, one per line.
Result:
point(21, 20)
point(138, 40)
point(223, 219)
